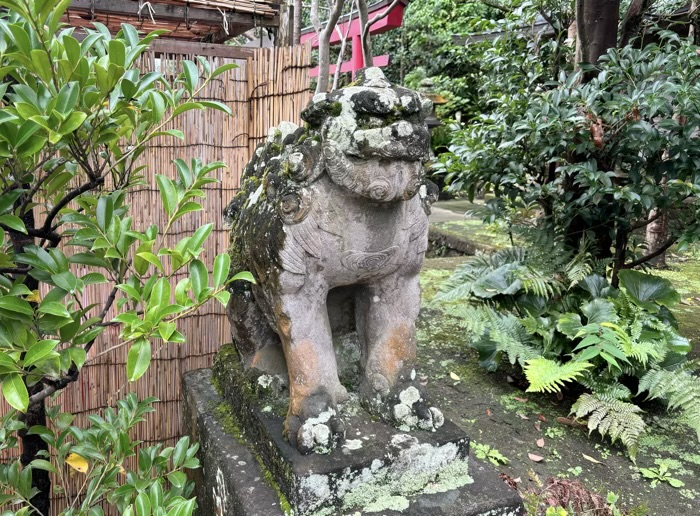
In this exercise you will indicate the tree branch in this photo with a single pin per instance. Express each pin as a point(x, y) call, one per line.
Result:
point(369, 60)
point(629, 27)
point(646, 222)
point(324, 37)
point(86, 187)
point(73, 372)
point(647, 257)
point(14, 270)
point(343, 43)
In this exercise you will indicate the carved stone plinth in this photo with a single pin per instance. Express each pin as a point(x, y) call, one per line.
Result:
point(248, 468)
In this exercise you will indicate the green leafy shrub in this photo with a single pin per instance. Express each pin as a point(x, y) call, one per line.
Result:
point(100, 453)
point(596, 158)
point(75, 117)
point(550, 313)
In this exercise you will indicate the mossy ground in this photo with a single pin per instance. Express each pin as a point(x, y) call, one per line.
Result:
point(485, 236)
point(494, 410)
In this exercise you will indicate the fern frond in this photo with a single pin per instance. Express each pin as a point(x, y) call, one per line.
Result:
point(613, 417)
point(504, 330)
point(645, 351)
point(547, 375)
point(539, 283)
point(603, 387)
point(578, 268)
point(679, 388)
point(512, 338)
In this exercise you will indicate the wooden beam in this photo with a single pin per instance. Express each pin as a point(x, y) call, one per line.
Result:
point(542, 28)
point(170, 12)
point(161, 46)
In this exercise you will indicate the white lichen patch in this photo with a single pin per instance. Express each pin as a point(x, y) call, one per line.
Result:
point(409, 395)
point(315, 434)
point(317, 486)
point(417, 468)
point(374, 78)
point(265, 380)
point(404, 128)
point(352, 444)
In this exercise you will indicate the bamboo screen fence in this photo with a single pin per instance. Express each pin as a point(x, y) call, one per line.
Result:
point(270, 85)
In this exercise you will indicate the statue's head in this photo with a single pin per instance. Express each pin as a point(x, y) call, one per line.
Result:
point(373, 136)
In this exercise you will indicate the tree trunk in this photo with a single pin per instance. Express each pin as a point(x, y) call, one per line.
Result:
point(31, 446)
point(296, 28)
point(324, 60)
point(36, 413)
point(629, 27)
point(285, 33)
point(694, 28)
point(365, 38)
point(657, 235)
point(596, 27)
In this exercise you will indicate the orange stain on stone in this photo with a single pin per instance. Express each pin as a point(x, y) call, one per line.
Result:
point(396, 352)
point(302, 363)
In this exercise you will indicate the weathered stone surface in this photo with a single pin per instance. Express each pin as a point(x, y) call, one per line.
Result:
point(332, 220)
point(379, 470)
point(374, 457)
point(230, 481)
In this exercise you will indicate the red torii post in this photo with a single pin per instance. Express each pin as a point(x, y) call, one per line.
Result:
point(392, 20)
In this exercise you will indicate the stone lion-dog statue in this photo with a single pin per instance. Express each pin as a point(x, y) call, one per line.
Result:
point(332, 221)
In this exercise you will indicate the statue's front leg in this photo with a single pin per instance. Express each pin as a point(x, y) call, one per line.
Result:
point(386, 326)
point(314, 387)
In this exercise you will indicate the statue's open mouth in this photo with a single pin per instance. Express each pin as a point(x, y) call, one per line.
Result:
point(379, 179)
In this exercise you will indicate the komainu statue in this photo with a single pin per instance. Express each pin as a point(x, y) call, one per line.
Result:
point(332, 221)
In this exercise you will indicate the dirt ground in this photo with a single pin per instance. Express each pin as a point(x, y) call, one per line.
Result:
point(514, 429)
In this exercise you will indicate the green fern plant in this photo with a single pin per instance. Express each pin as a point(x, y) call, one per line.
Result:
point(679, 388)
point(613, 417)
point(552, 313)
point(546, 375)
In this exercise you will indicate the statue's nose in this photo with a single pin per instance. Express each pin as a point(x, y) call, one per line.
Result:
point(380, 189)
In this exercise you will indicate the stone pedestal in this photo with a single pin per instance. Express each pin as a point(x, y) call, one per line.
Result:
point(248, 468)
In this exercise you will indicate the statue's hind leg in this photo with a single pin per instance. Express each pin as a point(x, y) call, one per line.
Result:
point(257, 343)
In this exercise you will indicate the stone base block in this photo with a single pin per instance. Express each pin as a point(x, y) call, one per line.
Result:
point(249, 469)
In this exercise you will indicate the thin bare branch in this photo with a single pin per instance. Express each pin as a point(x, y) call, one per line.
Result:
point(366, 47)
point(647, 257)
point(343, 42)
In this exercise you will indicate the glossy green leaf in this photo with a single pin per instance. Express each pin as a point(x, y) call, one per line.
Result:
point(168, 193)
point(647, 291)
point(13, 222)
point(191, 75)
point(199, 277)
point(39, 351)
point(142, 505)
point(15, 392)
point(104, 212)
point(243, 276)
point(138, 359)
point(222, 265)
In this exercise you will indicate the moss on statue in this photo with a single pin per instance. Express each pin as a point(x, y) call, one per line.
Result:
point(225, 416)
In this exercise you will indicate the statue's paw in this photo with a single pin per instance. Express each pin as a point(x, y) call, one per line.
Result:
point(315, 426)
point(404, 405)
point(321, 434)
point(412, 411)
